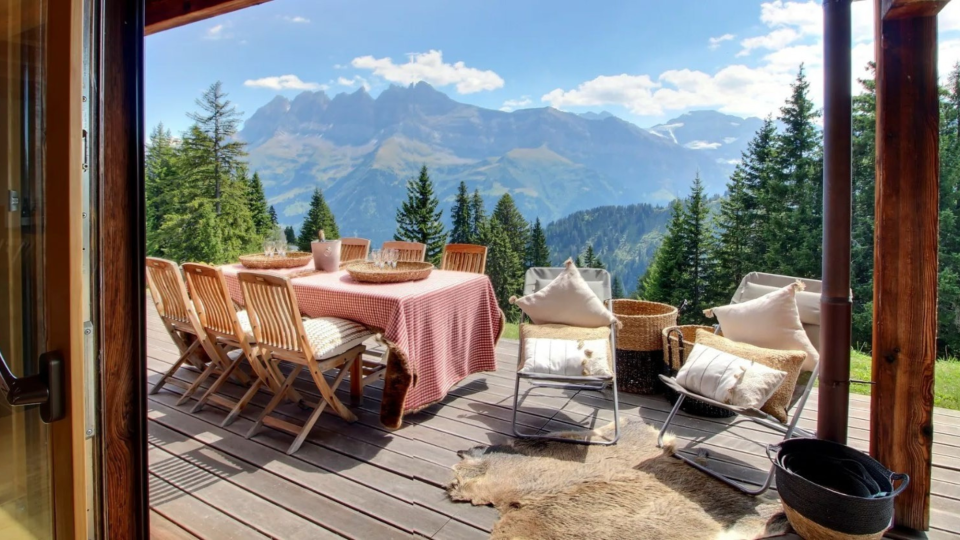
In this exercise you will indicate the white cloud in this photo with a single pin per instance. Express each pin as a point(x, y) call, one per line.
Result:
point(215, 32)
point(716, 41)
point(775, 40)
point(430, 67)
point(354, 81)
point(283, 82)
point(514, 104)
point(296, 19)
point(702, 145)
point(758, 85)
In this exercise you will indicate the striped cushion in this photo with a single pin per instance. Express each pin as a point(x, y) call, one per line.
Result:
point(330, 336)
point(728, 379)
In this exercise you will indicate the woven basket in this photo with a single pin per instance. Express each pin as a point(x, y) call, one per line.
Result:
point(639, 349)
point(262, 262)
point(675, 355)
point(368, 272)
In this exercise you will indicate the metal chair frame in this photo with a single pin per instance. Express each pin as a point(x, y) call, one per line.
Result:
point(568, 382)
point(789, 429)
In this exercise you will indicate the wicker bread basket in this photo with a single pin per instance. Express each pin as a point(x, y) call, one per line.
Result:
point(639, 346)
point(293, 259)
point(675, 354)
point(367, 272)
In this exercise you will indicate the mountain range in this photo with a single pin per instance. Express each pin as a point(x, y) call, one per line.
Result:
point(362, 151)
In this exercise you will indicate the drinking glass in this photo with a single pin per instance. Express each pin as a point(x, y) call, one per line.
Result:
point(281, 248)
point(375, 257)
point(268, 247)
point(394, 257)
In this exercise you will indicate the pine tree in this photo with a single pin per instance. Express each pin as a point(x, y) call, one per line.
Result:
point(478, 219)
point(419, 220)
point(318, 217)
point(515, 232)
point(161, 173)
point(219, 120)
point(290, 235)
point(462, 216)
point(864, 197)
point(273, 216)
point(659, 283)
point(502, 264)
point(259, 210)
point(538, 254)
point(696, 248)
point(512, 223)
point(590, 258)
point(799, 234)
point(618, 288)
point(949, 273)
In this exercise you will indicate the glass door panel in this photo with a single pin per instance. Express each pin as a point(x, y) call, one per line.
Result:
point(26, 498)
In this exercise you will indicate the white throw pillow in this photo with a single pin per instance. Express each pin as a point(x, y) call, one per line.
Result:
point(566, 357)
point(728, 379)
point(771, 321)
point(567, 300)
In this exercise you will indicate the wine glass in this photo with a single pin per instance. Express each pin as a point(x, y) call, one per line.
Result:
point(281, 248)
point(268, 247)
point(394, 257)
point(375, 257)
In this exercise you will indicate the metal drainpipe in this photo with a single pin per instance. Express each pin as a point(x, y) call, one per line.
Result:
point(835, 303)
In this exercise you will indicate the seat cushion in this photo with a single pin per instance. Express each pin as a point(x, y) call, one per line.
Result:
point(568, 300)
point(789, 362)
point(771, 321)
point(330, 336)
point(727, 378)
point(244, 319)
point(553, 349)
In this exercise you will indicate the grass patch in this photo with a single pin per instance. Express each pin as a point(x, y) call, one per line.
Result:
point(946, 391)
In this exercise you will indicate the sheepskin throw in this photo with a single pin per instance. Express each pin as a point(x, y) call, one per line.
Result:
point(559, 491)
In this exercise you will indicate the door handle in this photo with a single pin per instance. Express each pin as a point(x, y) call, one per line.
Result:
point(46, 388)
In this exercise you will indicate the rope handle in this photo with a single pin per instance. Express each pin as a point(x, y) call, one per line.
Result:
point(772, 451)
point(904, 482)
point(680, 359)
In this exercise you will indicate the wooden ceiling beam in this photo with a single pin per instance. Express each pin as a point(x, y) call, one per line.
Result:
point(167, 14)
point(907, 9)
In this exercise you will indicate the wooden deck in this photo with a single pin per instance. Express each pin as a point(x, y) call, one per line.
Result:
point(362, 481)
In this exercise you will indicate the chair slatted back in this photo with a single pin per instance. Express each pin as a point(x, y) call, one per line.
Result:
point(464, 258)
point(353, 249)
point(409, 251)
point(213, 303)
point(275, 315)
point(168, 291)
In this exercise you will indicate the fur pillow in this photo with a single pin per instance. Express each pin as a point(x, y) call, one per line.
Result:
point(553, 349)
point(771, 321)
point(728, 379)
point(789, 362)
point(567, 300)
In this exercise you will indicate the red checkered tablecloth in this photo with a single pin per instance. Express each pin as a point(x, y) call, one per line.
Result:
point(445, 326)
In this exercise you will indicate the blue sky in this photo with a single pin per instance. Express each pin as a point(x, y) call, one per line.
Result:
point(644, 60)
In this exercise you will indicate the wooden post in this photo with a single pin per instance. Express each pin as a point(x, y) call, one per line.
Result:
point(905, 260)
point(835, 306)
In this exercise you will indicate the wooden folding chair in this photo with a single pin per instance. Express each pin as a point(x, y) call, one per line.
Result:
point(464, 258)
point(226, 328)
point(177, 313)
point(409, 251)
point(353, 249)
point(319, 344)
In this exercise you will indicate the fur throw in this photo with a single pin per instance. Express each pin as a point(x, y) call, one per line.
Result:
point(632, 489)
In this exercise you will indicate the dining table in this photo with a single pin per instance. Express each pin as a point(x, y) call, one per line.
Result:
point(437, 330)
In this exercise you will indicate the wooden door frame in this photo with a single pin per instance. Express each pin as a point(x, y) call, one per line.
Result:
point(120, 269)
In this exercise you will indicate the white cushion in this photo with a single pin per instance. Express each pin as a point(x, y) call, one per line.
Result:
point(244, 319)
point(771, 321)
point(330, 336)
point(567, 300)
point(566, 357)
point(728, 379)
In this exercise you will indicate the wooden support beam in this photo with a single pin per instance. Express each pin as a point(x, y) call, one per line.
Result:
point(905, 9)
point(167, 14)
point(905, 260)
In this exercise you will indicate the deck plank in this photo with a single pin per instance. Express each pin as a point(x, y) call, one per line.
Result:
point(360, 480)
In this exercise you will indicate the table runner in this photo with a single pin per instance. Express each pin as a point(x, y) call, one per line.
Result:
point(439, 330)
